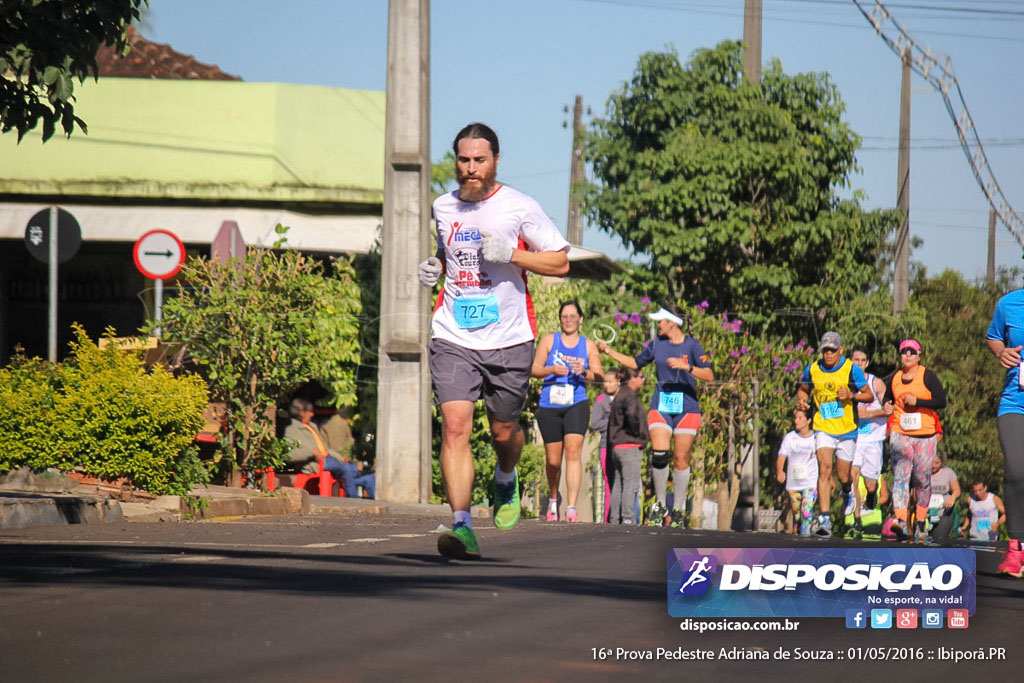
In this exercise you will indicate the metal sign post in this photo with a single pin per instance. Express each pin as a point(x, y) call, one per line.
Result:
point(158, 255)
point(51, 260)
point(52, 236)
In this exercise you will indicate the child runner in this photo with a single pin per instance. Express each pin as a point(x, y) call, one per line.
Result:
point(797, 468)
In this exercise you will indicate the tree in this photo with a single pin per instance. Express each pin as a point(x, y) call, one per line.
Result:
point(256, 328)
point(730, 188)
point(44, 45)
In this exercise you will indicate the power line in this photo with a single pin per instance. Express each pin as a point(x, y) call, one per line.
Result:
point(938, 71)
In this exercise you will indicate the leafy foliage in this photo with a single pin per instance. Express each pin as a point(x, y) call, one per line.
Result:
point(258, 326)
point(101, 413)
point(953, 340)
point(45, 45)
point(729, 188)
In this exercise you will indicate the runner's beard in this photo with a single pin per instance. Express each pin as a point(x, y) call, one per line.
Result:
point(474, 192)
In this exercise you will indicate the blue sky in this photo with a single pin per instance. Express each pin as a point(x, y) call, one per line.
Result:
point(516, 64)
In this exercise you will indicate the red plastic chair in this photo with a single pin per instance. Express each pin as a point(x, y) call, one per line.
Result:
point(324, 478)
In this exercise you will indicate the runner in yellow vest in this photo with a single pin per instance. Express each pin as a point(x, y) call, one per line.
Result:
point(836, 383)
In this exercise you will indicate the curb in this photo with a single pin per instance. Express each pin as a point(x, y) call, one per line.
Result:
point(20, 510)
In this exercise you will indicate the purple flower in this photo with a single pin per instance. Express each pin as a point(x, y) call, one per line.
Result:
point(801, 345)
point(792, 367)
point(734, 354)
point(703, 304)
point(768, 348)
point(645, 300)
point(634, 317)
point(789, 347)
point(776, 362)
point(743, 351)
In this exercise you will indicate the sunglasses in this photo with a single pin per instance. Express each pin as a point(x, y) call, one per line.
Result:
point(912, 352)
point(828, 349)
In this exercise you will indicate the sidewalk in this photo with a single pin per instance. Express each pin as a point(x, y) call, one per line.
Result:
point(28, 499)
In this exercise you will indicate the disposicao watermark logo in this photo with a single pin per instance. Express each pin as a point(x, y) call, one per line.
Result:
point(697, 579)
point(817, 582)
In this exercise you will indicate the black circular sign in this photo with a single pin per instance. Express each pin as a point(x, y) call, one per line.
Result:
point(37, 236)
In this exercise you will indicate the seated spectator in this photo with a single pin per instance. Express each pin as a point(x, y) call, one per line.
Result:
point(311, 447)
point(942, 507)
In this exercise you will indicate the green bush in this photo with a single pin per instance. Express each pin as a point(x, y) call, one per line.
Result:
point(27, 390)
point(101, 413)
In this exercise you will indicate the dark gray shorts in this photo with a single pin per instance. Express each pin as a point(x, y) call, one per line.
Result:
point(499, 376)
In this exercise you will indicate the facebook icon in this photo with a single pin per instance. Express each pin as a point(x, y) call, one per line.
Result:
point(856, 618)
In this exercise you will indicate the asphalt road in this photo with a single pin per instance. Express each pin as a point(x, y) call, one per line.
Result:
point(352, 598)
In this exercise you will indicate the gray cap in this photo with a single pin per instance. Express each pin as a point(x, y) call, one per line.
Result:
point(830, 340)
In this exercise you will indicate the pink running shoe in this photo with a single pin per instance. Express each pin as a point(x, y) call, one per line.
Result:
point(570, 515)
point(552, 515)
point(1013, 560)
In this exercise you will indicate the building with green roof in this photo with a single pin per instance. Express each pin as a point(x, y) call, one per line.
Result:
point(185, 156)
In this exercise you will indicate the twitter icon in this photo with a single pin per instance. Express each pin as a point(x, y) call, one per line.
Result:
point(881, 618)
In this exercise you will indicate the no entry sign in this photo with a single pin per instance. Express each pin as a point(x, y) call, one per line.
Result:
point(159, 254)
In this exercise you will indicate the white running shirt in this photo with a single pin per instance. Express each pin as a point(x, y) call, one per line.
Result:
point(517, 219)
point(872, 428)
point(801, 461)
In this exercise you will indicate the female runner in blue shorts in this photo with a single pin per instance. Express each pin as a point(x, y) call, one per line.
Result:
point(674, 416)
point(566, 361)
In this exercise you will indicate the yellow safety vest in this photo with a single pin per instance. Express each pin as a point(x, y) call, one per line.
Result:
point(833, 416)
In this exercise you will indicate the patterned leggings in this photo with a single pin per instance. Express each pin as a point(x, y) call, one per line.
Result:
point(911, 455)
point(802, 503)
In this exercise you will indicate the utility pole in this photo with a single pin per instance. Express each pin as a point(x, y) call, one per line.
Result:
point(403, 395)
point(901, 276)
point(574, 224)
point(752, 41)
point(990, 272)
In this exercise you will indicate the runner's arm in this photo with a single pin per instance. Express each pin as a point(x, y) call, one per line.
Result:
point(1009, 358)
point(703, 374)
point(595, 373)
point(780, 469)
point(553, 263)
point(954, 490)
point(620, 358)
point(539, 370)
point(803, 395)
point(879, 387)
point(1002, 511)
point(932, 384)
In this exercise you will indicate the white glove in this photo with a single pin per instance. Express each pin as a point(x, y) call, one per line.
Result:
point(495, 249)
point(430, 271)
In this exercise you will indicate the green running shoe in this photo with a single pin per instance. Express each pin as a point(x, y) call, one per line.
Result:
point(459, 543)
point(506, 504)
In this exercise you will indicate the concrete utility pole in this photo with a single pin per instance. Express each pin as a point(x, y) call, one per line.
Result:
point(901, 276)
point(403, 399)
point(574, 224)
point(752, 41)
point(990, 271)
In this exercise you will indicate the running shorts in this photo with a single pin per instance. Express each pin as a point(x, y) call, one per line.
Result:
point(555, 423)
point(499, 376)
point(844, 447)
point(868, 457)
point(685, 423)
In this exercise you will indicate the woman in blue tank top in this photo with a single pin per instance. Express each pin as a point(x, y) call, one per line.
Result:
point(566, 361)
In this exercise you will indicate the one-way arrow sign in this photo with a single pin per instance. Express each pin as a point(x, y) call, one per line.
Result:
point(159, 254)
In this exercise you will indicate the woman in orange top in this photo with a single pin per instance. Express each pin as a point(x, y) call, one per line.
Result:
point(912, 395)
